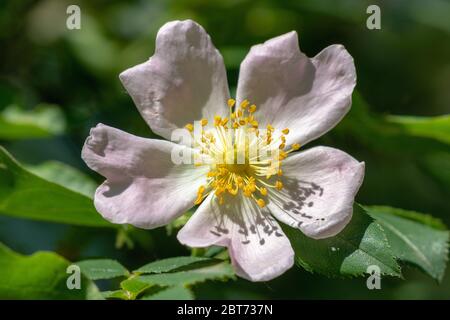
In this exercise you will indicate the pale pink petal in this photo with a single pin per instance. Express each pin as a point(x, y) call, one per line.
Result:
point(258, 248)
point(184, 81)
point(308, 96)
point(144, 187)
point(320, 185)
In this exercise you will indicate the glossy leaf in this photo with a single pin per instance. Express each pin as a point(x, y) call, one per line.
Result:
point(361, 244)
point(414, 242)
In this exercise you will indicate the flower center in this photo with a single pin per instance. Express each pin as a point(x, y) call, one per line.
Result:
point(242, 158)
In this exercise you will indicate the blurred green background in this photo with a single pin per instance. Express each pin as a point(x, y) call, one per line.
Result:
point(63, 82)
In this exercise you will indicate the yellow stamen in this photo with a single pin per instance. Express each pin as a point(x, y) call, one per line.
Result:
point(244, 104)
point(279, 185)
point(261, 203)
point(190, 127)
point(263, 191)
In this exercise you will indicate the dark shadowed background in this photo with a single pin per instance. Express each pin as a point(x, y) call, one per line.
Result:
point(403, 69)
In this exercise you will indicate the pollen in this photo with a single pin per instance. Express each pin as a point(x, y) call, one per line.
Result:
point(189, 127)
point(261, 203)
point(279, 185)
point(243, 159)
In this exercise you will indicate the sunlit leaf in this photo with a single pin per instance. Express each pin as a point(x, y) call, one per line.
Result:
point(170, 264)
point(414, 242)
point(431, 127)
point(65, 175)
point(42, 275)
point(43, 121)
point(25, 195)
point(361, 244)
point(221, 271)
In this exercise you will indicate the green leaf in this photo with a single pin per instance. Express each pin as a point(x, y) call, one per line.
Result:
point(414, 242)
point(170, 264)
point(394, 133)
point(43, 121)
point(96, 269)
point(171, 293)
point(25, 195)
point(431, 127)
point(133, 287)
point(65, 175)
point(422, 218)
point(116, 294)
point(39, 276)
point(137, 284)
point(220, 271)
point(361, 244)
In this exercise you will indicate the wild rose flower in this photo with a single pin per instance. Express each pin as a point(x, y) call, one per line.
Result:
point(284, 99)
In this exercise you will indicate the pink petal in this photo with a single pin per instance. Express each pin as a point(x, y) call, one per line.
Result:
point(308, 96)
point(143, 187)
point(258, 248)
point(320, 185)
point(184, 81)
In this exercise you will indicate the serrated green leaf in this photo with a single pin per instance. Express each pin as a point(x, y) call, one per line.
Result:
point(361, 244)
point(43, 121)
point(170, 264)
point(25, 195)
point(116, 294)
point(220, 271)
point(414, 242)
point(39, 276)
point(171, 293)
point(96, 269)
point(133, 287)
point(65, 175)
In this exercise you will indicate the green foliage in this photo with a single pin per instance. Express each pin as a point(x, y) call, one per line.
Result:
point(421, 218)
point(102, 269)
point(376, 235)
point(407, 156)
point(25, 195)
point(361, 244)
point(219, 271)
point(39, 276)
point(43, 121)
point(171, 293)
point(171, 264)
point(432, 127)
point(170, 278)
point(414, 241)
point(64, 175)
